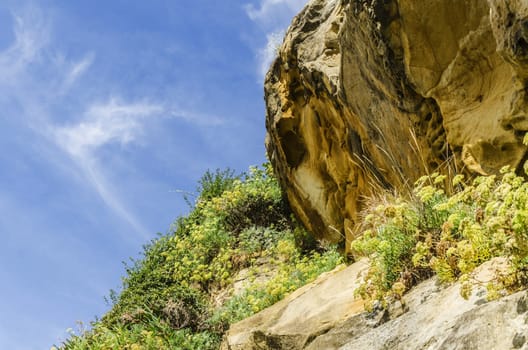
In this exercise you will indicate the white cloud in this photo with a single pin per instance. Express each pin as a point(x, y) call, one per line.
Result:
point(267, 54)
point(30, 52)
point(32, 72)
point(103, 124)
point(270, 9)
point(35, 77)
point(106, 123)
point(93, 172)
point(80, 67)
point(272, 17)
point(76, 70)
point(201, 119)
point(32, 33)
point(119, 122)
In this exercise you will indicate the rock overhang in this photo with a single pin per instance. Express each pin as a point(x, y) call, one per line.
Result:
point(366, 95)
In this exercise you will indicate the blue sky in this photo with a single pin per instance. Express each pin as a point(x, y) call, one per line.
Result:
point(107, 110)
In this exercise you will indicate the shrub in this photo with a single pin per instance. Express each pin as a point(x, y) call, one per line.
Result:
point(152, 333)
point(149, 284)
point(407, 240)
point(213, 184)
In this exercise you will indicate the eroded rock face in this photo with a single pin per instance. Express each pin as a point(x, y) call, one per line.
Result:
point(301, 317)
point(369, 94)
point(325, 315)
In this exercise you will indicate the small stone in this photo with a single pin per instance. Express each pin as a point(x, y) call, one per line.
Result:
point(522, 305)
point(481, 301)
point(518, 340)
point(396, 309)
point(481, 293)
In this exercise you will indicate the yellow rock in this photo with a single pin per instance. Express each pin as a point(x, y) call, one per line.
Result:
point(370, 95)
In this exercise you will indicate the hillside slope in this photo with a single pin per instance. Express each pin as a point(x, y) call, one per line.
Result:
point(236, 253)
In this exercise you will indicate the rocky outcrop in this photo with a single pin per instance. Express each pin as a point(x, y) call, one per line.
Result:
point(369, 94)
point(325, 315)
point(301, 317)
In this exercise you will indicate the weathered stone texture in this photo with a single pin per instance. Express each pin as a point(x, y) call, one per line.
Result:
point(302, 316)
point(325, 315)
point(371, 94)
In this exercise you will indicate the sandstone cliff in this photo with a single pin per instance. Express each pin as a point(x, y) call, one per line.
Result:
point(369, 94)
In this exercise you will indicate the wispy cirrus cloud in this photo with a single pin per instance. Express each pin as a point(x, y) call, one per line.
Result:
point(29, 62)
point(75, 71)
point(94, 131)
point(272, 17)
point(196, 118)
point(93, 121)
point(268, 10)
point(32, 34)
point(267, 54)
point(105, 124)
point(110, 122)
point(35, 76)
point(31, 31)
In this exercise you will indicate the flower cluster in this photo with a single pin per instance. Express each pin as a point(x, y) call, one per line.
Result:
point(448, 235)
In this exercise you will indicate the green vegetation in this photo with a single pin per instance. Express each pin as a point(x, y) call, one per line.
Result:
point(180, 295)
point(408, 240)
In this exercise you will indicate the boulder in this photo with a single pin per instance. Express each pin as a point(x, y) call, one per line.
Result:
point(367, 95)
